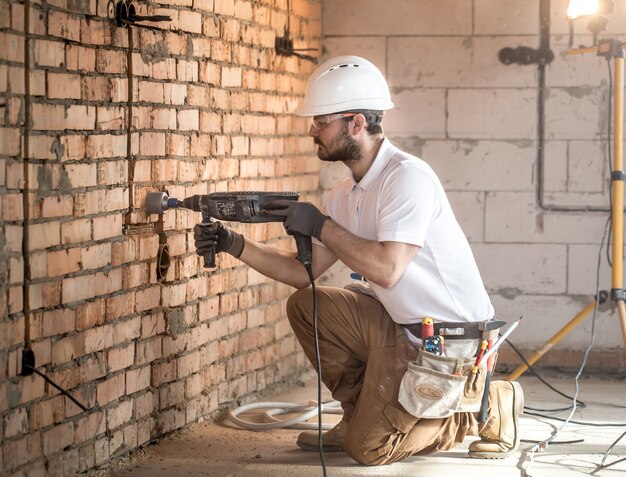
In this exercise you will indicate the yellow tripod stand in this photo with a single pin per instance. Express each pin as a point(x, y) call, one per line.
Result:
point(612, 50)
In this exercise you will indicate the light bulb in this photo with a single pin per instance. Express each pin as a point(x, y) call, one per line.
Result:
point(581, 8)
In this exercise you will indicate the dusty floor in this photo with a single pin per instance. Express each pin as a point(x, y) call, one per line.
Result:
point(220, 449)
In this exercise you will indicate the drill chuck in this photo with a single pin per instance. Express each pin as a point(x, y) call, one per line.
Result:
point(159, 203)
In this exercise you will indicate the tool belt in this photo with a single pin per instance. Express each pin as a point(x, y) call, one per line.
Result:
point(453, 330)
point(437, 386)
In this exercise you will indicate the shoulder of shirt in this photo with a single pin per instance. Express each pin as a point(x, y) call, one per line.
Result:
point(403, 162)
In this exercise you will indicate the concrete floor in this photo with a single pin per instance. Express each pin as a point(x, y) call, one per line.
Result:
point(220, 449)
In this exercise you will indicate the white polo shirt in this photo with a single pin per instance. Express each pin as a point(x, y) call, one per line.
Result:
point(401, 199)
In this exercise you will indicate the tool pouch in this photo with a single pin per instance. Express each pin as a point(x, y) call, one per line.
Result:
point(438, 386)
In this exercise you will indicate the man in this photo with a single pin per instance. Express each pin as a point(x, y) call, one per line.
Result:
point(390, 222)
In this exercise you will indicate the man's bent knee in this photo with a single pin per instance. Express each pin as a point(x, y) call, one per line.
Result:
point(356, 448)
point(298, 303)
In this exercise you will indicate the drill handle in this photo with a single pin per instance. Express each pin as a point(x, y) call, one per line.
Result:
point(209, 257)
point(305, 248)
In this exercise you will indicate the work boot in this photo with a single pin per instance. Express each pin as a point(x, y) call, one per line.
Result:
point(332, 440)
point(500, 436)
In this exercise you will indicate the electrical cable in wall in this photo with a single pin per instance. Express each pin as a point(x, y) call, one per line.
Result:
point(28, 356)
point(129, 125)
point(26, 184)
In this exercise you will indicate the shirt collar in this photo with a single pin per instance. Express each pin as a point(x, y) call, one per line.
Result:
point(380, 162)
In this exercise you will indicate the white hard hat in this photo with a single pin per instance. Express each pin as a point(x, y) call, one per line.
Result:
point(345, 83)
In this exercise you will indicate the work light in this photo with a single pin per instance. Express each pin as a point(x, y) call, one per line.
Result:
point(591, 9)
point(582, 8)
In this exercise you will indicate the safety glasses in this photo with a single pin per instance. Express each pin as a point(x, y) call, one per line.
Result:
point(320, 122)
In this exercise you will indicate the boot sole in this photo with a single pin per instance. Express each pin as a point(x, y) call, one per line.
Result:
point(518, 408)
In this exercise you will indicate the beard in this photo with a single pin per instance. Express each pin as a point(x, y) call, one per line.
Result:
point(342, 148)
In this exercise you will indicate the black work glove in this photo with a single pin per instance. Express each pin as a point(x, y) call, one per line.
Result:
point(300, 217)
point(206, 235)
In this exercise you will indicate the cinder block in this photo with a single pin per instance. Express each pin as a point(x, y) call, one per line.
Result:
point(575, 113)
point(461, 62)
point(482, 165)
point(486, 114)
point(574, 71)
point(469, 210)
point(413, 18)
point(511, 217)
point(408, 117)
point(533, 268)
point(511, 17)
point(545, 315)
point(582, 270)
point(555, 166)
point(587, 167)
point(573, 227)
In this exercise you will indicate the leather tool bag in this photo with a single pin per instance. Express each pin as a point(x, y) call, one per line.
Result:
point(438, 386)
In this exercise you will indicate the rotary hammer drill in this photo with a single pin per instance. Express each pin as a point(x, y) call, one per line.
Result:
point(245, 206)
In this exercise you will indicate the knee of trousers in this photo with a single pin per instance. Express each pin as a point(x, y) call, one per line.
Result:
point(298, 305)
point(362, 454)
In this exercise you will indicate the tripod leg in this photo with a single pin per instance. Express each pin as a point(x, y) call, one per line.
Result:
point(521, 369)
point(621, 309)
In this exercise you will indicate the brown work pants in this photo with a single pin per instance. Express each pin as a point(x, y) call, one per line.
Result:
point(364, 355)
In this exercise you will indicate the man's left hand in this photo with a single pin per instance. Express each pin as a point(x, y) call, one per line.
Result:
point(300, 217)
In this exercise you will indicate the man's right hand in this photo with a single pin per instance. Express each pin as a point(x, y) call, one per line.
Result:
point(210, 234)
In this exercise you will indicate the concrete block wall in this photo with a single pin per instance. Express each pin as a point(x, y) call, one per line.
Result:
point(200, 104)
point(475, 121)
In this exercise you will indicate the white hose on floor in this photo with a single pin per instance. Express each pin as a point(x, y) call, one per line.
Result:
point(307, 411)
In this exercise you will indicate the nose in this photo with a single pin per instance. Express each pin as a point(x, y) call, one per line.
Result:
point(313, 131)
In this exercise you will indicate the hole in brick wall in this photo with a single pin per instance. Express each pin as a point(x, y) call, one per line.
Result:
point(163, 261)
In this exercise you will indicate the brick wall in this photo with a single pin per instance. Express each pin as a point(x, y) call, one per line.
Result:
point(475, 121)
point(209, 109)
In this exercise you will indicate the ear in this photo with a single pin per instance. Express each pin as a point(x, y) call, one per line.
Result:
point(359, 124)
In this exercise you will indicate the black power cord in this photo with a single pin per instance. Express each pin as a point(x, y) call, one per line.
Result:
point(319, 367)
